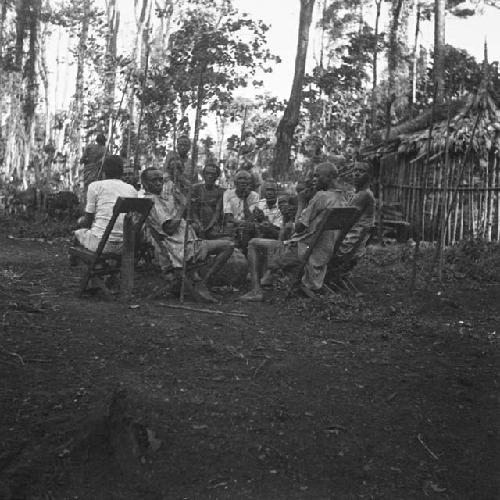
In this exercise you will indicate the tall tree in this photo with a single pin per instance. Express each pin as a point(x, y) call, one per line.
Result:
point(392, 61)
point(31, 83)
point(16, 137)
point(290, 120)
point(414, 54)
point(78, 99)
point(378, 4)
point(215, 50)
point(439, 42)
point(113, 25)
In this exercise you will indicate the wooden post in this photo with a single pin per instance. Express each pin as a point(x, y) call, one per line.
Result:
point(127, 266)
point(497, 175)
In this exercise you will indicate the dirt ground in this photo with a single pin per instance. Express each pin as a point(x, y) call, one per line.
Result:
point(379, 396)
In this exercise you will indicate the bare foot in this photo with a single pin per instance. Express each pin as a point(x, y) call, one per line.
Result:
point(204, 294)
point(252, 296)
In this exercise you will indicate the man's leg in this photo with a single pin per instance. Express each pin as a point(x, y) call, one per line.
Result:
point(257, 258)
point(222, 249)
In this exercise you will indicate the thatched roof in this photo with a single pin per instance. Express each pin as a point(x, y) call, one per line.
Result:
point(405, 139)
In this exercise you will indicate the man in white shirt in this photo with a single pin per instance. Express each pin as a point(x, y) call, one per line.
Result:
point(269, 213)
point(240, 202)
point(101, 198)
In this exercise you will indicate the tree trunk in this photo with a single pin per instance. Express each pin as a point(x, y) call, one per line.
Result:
point(392, 62)
point(290, 120)
point(113, 17)
point(44, 76)
point(141, 54)
point(78, 101)
point(3, 15)
point(31, 85)
point(414, 54)
point(439, 41)
point(14, 150)
point(375, 69)
point(3, 81)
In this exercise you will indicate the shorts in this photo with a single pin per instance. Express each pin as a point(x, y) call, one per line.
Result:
point(90, 241)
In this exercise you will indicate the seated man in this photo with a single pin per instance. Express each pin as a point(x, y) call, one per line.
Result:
point(288, 253)
point(288, 209)
point(267, 212)
point(305, 192)
point(353, 246)
point(240, 202)
point(101, 198)
point(238, 206)
point(166, 220)
point(207, 203)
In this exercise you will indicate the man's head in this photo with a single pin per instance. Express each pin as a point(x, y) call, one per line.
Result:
point(152, 180)
point(247, 165)
point(183, 145)
point(113, 167)
point(211, 173)
point(270, 189)
point(175, 168)
point(242, 182)
point(324, 176)
point(128, 175)
point(100, 139)
point(362, 180)
point(305, 189)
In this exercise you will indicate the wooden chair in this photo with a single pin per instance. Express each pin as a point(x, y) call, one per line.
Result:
point(100, 263)
point(334, 219)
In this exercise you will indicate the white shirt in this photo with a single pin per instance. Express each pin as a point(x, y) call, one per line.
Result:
point(101, 198)
point(234, 205)
point(273, 214)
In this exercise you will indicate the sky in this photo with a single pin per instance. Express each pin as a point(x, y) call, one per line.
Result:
point(283, 18)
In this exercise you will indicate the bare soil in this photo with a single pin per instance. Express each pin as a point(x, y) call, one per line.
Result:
point(381, 396)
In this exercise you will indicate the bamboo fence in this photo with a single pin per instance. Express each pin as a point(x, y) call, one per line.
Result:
point(476, 213)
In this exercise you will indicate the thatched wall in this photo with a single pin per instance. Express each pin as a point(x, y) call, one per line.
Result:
point(430, 185)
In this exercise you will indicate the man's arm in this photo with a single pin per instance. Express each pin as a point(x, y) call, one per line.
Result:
point(361, 201)
point(307, 215)
point(90, 208)
point(216, 216)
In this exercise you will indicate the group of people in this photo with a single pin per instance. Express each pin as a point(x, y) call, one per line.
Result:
point(191, 220)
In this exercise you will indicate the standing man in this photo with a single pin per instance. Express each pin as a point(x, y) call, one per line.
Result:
point(207, 203)
point(92, 159)
point(183, 148)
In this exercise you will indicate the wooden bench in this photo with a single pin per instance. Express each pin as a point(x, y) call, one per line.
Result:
point(99, 263)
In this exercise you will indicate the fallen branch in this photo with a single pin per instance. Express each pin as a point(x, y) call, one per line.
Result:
point(259, 367)
point(208, 311)
point(13, 354)
point(427, 449)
